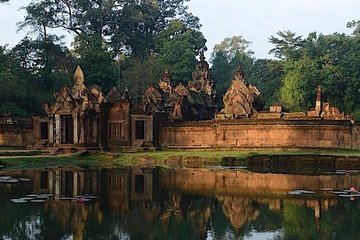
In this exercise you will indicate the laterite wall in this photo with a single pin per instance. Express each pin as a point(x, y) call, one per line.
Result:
point(11, 135)
point(262, 134)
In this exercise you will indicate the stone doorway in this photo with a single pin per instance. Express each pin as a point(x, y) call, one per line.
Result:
point(44, 130)
point(139, 129)
point(67, 129)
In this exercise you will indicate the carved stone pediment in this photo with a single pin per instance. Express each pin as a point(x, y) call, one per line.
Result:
point(165, 82)
point(239, 98)
point(181, 90)
point(201, 81)
point(64, 103)
point(153, 99)
point(113, 96)
point(76, 99)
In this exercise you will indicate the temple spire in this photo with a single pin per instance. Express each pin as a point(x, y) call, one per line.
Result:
point(239, 75)
point(79, 76)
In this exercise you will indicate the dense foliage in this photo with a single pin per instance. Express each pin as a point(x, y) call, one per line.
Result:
point(303, 63)
point(128, 44)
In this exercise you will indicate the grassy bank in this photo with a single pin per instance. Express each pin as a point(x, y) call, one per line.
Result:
point(152, 157)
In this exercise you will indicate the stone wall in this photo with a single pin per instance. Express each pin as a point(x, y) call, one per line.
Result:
point(16, 135)
point(262, 134)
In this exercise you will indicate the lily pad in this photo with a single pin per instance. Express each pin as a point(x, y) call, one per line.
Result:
point(38, 200)
point(25, 179)
point(338, 192)
point(18, 200)
point(26, 198)
point(307, 192)
point(347, 195)
point(31, 195)
point(295, 192)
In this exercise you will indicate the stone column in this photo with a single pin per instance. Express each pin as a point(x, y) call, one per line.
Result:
point(82, 128)
point(36, 130)
point(95, 129)
point(318, 99)
point(75, 126)
point(75, 184)
point(100, 127)
point(149, 129)
point(57, 129)
point(51, 129)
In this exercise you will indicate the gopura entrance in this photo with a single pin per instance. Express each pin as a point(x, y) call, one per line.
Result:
point(67, 129)
point(74, 117)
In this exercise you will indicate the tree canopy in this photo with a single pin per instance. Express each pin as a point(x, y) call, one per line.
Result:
point(128, 44)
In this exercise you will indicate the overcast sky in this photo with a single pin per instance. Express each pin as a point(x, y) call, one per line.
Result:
point(255, 20)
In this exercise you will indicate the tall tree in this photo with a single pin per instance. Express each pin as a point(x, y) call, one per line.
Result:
point(226, 57)
point(221, 74)
point(267, 75)
point(105, 30)
point(286, 44)
point(178, 46)
point(232, 46)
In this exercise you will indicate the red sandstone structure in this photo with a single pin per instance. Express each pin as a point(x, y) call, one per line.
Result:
point(182, 116)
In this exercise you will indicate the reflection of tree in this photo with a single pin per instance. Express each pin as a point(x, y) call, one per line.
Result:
point(17, 221)
point(299, 222)
point(342, 221)
point(239, 210)
point(72, 215)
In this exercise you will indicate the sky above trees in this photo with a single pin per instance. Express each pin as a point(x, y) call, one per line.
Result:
point(255, 20)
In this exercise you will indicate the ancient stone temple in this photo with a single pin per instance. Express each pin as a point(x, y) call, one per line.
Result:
point(324, 110)
point(116, 113)
point(74, 118)
point(201, 82)
point(155, 96)
point(194, 101)
point(239, 98)
point(172, 116)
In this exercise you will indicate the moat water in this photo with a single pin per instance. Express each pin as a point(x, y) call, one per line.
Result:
point(156, 203)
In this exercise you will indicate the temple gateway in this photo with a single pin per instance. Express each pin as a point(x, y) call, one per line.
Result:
point(185, 116)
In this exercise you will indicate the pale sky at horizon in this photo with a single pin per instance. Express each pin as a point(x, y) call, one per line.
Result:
point(255, 20)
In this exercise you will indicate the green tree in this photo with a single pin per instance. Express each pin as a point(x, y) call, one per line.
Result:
point(139, 73)
point(18, 96)
point(178, 46)
point(221, 74)
point(105, 30)
point(267, 75)
point(286, 44)
point(226, 57)
point(232, 46)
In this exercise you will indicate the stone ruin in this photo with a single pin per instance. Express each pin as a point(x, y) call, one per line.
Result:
point(74, 116)
point(192, 102)
point(76, 99)
point(239, 98)
point(324, 110)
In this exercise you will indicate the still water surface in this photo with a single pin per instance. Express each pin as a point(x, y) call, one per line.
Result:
point(156, 203)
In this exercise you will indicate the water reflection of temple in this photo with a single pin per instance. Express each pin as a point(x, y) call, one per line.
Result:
point(241, 192)
point(162, 196)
